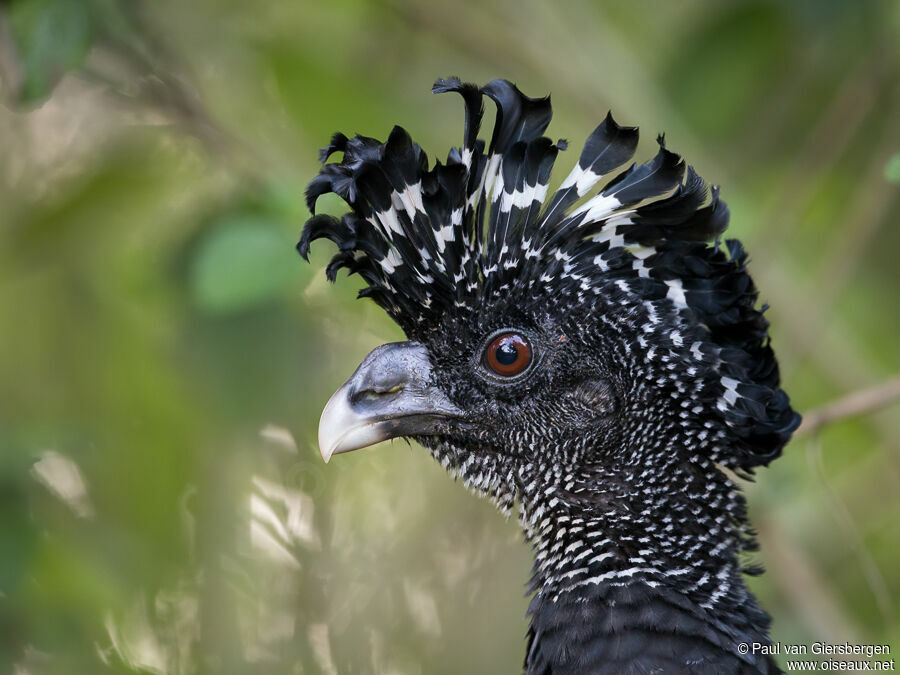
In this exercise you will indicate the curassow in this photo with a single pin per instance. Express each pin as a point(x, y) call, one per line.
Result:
point(596, 358)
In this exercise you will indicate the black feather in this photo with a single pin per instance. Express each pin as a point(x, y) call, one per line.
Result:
point(655, 361)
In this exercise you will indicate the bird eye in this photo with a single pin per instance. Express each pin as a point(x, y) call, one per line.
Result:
point(508, 354)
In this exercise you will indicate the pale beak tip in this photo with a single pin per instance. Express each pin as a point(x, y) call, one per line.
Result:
point(331, 423)
point(341, 429)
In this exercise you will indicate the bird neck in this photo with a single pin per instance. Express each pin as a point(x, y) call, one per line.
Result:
point(639, 553)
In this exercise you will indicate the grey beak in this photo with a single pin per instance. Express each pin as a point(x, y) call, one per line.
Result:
point(389, 395)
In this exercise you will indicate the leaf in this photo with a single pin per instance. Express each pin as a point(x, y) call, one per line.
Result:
point(244, 262)
point(51, 37)
point(892, 169)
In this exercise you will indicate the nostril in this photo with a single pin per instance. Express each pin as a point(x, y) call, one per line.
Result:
point(377, 393)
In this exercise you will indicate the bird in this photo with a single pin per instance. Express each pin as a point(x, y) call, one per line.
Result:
point(594, 360)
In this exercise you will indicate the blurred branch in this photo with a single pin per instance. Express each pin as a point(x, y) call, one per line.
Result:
point(852, 405)
point(139, 67)
point(166, 93)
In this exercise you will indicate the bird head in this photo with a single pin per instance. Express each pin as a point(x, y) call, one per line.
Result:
point(604, 330)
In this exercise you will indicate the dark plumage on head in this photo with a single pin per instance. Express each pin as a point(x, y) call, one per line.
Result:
point(593, 355)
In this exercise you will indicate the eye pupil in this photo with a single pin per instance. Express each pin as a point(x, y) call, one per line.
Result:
point(508, 354)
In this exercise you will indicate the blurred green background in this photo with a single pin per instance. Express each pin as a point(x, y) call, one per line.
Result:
point(165, 354)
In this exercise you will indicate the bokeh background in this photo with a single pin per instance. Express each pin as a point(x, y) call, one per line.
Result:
point(165, 354)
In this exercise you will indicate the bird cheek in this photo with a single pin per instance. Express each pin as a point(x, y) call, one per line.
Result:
point(597, 395)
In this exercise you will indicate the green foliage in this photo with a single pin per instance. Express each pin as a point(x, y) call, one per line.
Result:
point(52, 37)
point(892, 169)
point(243, 262)
point(725, 47)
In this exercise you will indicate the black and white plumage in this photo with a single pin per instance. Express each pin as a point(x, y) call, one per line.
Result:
point(648, 369)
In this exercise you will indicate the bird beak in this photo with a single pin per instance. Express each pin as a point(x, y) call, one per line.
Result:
point(391, 394)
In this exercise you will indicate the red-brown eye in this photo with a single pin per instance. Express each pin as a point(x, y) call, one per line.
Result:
point(508, 354)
